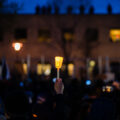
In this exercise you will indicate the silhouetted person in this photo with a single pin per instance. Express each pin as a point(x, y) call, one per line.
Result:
point(37, 9)
point(17, 106)
point(91, 10)
point(44, 107)
point(44, 10)
point(82, 9)
point(56, 10)
point(109, 8)
point(69, 10)
point(49, 10)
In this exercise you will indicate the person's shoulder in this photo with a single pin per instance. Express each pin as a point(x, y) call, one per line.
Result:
point(2, 117)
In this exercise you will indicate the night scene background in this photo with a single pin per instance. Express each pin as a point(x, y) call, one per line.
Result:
point(59, 60)
point(28, 6)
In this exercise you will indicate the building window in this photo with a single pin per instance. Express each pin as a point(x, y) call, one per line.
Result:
point(44, 36)
point(25, 68)
point(21, 34)
point(68, 35)
point(115, 35)
point(91, 34)
point(44, 69)
point(1, 35)
point(70, 69)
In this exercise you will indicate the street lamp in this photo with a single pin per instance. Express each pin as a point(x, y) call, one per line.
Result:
point(17, 46)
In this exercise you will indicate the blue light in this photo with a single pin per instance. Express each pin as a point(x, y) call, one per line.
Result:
point(54, 80)
point(88, 82)
point(21, 84)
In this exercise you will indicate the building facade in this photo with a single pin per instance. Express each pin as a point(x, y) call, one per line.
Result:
point(75, 37)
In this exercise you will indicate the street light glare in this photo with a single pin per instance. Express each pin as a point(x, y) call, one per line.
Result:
point(17, 46)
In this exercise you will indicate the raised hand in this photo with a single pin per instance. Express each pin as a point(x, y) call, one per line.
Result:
point(59, 86)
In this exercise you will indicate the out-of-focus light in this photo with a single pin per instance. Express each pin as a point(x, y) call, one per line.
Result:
point(88, 82)
point(108, 89)
point(92, 63)
point(115, 35)
point(47, 69)
point(25, 68)
point(54, 80)
point(21, 84)
point(58, 62)
point(17, 46)
point(44, 69)
point(35, 116)
point(71, 69)
point(103, 88)
point(39, 69)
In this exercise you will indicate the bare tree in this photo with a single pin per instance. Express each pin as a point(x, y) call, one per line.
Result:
point(15, 7)
point(11, 8)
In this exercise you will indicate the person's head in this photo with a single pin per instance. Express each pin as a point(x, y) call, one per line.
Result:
point(16, 104)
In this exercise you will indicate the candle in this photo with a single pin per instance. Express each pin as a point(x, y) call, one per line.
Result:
point(58, 65)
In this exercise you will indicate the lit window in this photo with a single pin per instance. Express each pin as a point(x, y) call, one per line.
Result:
point(115, 35)
point(92, 63)
point(44, 69)
point(21, 34)
point(47, 69)
point(44, 36)
point(70, 69)
point(39, 69)
point(68, 35)
point(91, 66)
point(25, 68)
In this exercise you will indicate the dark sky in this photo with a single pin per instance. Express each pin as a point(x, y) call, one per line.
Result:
point(28, 6)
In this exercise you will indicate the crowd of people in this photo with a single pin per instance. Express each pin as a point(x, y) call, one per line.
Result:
point(45, 98)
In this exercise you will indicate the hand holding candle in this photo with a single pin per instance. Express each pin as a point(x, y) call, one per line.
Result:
point(58, 65)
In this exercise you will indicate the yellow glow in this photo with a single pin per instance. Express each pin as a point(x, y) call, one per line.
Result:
point(39, 69)
point(44, 69)
point(68, 36)
point(108, 88)
point(35, 116)
point(47, 69)
point(70, 69)
point(17, 46)
point(115, 35)
point(25, 68)
point(103, 89)
point(58, 62)
point(92, 63)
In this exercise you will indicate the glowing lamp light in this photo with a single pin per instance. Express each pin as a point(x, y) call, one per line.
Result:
point(92, 63)
point(17, 46)
point(88, 82)
point(70, 69)
point(108, 89)
point(58, 64)
point(35, 116)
